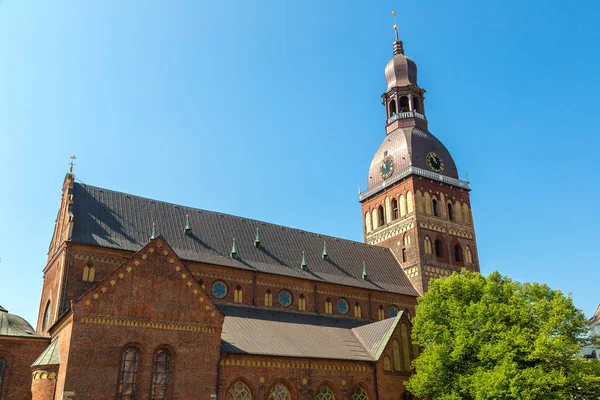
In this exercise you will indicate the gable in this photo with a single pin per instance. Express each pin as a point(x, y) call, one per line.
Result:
point(151, 289)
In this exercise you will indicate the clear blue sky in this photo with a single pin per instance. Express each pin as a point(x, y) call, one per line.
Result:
point(272, 110)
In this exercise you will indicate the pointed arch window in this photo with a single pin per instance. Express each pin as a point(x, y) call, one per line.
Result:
point(427, 245)
point(394, 208)
point(268, 298)
point(381, 313)
point(386, 364)
point(457, 253)
point(403, 104)
point(2, 372)
point(46, 318)
point(279, 392)
point(380, 216)
point(239, 391)
point(392, 108)
point(436, 211)
point(359, 394)
point(128, 377)
point(438, 248)
point(450, 212)
point(238, 294)
point(301, 303)
point(406, 239)
point(160, 378)
point(325, 393)
point(357, 311)
point(396, 356)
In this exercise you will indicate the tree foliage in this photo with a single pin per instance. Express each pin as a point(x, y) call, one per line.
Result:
point(493, 338)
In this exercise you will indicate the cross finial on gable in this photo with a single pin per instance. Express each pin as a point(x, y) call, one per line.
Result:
point(72, 163)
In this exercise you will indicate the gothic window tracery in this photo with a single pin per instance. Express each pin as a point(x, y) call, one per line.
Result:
point(285, 298)
point(239, 391)
point(279, 392)
point(325, 393)
point(359, 394)
point(219, 289)
point(342, 306)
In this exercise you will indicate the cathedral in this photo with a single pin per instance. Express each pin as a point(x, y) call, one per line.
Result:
point(144, 299)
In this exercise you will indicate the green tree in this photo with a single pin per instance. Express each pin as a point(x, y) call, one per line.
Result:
point(493, 338)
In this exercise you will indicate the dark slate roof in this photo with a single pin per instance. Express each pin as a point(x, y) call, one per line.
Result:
point(259, 331)
point(117, 220)
point(13, 325)
point(50, 356)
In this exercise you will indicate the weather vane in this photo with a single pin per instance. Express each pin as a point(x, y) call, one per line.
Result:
point(395, 26)
point(72, 163)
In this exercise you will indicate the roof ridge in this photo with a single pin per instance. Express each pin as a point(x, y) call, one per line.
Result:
point(85, 185)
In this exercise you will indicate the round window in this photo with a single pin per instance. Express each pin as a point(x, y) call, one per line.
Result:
point(285, 298)
point(219, 289)
point(342, 306)
point(392, 311)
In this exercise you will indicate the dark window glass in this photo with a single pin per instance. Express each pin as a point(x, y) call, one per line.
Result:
point(129, 369)
point(392, 108)
point(438, 248)
point(381, 216)
point(450, 214)
point(46, 320)
point(404, 104)
point(404, 255)
point(457, 251)
point(160, 378)
point(394, 209)
point(435, 208)
point(2, 371)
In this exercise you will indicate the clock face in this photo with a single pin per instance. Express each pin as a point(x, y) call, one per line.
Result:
point(435, 162)
point(387, 168)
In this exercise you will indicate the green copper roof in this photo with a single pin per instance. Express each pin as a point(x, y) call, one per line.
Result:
point(13, 325)
point(50, 356)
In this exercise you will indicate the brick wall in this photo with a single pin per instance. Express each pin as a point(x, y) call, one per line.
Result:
point(19, 353)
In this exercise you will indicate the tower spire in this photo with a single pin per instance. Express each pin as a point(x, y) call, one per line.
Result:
point(398, 47)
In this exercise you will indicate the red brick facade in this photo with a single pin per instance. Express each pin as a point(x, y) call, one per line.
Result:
point(19, 354)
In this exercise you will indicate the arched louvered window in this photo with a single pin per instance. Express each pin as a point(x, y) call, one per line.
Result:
point(2, 372)
point(128, 377)
point(380, 216)
point(160, 378)
point(325, 393)
point(359, 394)
point(239, 391)
point(394, 208)
point(279, 392)
point(46, 317)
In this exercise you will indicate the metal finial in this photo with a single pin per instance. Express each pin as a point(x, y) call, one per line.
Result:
point(395, 26)
point(359, 188)
point(364, 274)
point(303, 265)
point(325, 256)
point(233, 250)
point(188, 227)
point(467, 173)
point(153, 232)
point(72, 163)
point(257, 238)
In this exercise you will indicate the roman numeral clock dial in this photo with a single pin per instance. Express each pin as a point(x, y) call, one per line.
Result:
point(387, 168)
point(435, 162)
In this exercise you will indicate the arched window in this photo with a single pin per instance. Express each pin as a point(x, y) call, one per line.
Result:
point(268, 298)
point(394, 208)
point(406, 239)
point(160, 378)
point(427, 245)
point(357, 311)
point(438, 248)
point(468, 255)
point(404, 254)
point(325, 393)
point(328, 306)
point(380, 216)
point(129, 369)
point(374, 218)
point(409, 202)
point(359, 394)
point(386, 364)
point(392, 108)
point(238, 294)
point(434, 207)
point(416, 106)
point(239, 391)
point(88, 273)
point(404, 104)
point(405, 347)
point(279, 392)
point(46, 318)
point(450, 213)
point(457, 253)
point(2, 372)
point(381, 313)
point(368, 227)
point(402, 206)
point(396, 354)
point(301, 303)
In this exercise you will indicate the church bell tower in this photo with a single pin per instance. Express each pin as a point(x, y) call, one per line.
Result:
point(415, 203)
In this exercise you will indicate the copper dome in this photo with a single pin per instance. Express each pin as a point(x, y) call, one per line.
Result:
point(400, 70)
point(407, 147)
